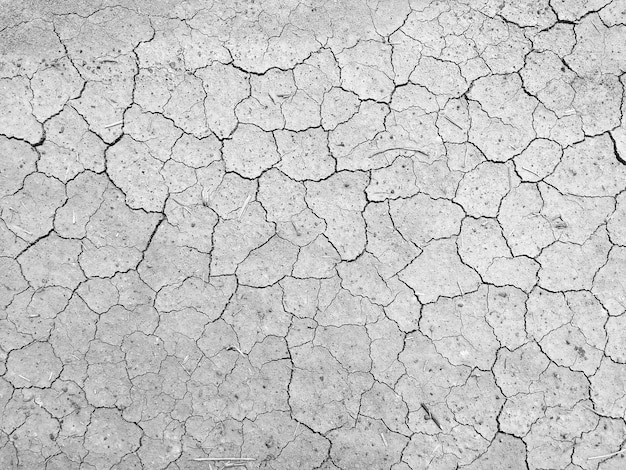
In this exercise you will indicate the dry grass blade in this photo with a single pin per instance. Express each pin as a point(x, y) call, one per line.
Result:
point(295, 228)
point(606, 456)
point(113, 124)
point(430, 415)
point(206, 197)
point(530, 171)
point(235, 348)
point(451, 121)
point(20, 229)
point(243, 207)
point(460, 288)
point(591, 409)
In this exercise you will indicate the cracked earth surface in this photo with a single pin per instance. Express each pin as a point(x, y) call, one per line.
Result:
point(321, 234)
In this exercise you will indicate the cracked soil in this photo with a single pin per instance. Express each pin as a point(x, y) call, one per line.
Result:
point(313, 234)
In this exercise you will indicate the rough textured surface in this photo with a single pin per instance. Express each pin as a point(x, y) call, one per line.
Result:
point(320, 235)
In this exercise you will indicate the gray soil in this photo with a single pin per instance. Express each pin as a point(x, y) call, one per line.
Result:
point(318, 234)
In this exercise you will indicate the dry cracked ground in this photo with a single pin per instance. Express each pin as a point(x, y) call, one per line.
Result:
point(332, 235)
